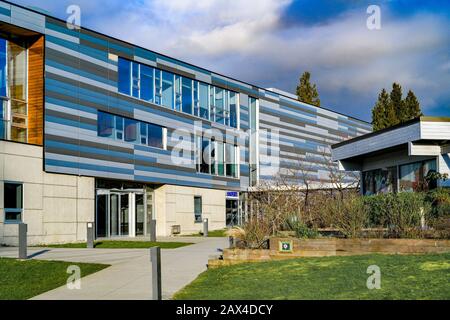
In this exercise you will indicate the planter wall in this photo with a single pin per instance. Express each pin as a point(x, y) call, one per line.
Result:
point(332, 247)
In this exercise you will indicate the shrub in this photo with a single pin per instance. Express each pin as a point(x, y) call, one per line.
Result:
point(402, 213)
point(252, 235)
point(301, 230)
point(347, 214)
point(440, 201)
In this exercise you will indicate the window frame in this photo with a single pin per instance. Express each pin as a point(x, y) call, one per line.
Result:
point(14, 210)
point(200, 219)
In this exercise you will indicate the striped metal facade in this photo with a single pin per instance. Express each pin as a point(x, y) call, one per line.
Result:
point(81, 78)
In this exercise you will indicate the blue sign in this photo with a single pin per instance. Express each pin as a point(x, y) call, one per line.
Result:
point(232, 194)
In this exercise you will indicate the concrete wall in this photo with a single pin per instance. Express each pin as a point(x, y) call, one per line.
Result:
point(56, 206)
point(174, 205)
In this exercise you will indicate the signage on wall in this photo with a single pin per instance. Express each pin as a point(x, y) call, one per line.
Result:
point(285, 246)
point(233, 194)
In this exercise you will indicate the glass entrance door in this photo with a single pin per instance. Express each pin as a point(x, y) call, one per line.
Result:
point(140, 214)
point(120, 213)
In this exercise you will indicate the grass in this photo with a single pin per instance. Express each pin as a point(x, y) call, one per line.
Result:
point(402, 277)
point(212, 233)
point(25, 279)
point(117, 244)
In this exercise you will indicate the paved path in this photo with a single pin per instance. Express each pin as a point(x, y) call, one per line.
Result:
point(129, 276)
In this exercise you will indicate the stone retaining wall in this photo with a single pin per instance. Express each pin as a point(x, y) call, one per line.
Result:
point(332, 247)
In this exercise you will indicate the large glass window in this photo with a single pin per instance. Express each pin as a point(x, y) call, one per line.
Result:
point(3, 68)
point(187, 95)
point(253, 108)
point(167, 89)
point(177, 92)
point(146, 83)
point(130, 130)
point(380, 181)
point(155, 136)
point(412, 176)
point(13, 91)
point(124, 76)
point(216, 157)
point(13, 201)
point(105, 125)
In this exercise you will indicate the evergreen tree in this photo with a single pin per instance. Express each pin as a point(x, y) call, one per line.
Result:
point(306, 91)
point(397, 104)
point(412, 105)
point(379, 111)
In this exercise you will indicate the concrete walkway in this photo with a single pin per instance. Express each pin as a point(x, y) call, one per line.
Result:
point(129, 276)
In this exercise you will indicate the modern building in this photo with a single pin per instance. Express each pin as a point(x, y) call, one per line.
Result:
point(95, 129)
point(399, 158)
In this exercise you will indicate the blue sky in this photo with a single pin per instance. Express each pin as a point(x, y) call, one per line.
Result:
point(269, 43)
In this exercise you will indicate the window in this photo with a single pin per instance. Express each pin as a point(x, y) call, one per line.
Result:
point(230, 160)
point(198, 208)
point(124, 76)
point(13, 200)
point(13, 91)
point(380, 181)
point(219, 105)
point(119, 128)
point(216, 157)
point(205, 157)
point(220, 159)
point(146, 83)
point(105, 125)
point(167, 89)
point(130, 130)
point(196, 98)
point(233, 110)
point(176, 92)
point(135, 79)
point(143, 133)
point(187, 95)
point(155, 136)
point(203, 100)
point(253, 149)
point(412, 176)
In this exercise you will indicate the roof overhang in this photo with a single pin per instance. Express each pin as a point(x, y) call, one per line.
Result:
point(422, 136)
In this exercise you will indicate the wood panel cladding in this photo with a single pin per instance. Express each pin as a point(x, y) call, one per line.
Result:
point(36, 91)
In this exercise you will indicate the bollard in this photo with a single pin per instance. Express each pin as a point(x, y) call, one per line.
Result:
point(155, 258)
point(152, 230)
point(90, 235)
point(23, 241)
point(231, 242)
point(205, 227)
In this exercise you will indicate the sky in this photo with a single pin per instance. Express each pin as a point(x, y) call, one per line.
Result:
point(270, 43)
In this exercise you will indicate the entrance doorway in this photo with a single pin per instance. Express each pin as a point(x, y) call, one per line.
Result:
point(121, 213)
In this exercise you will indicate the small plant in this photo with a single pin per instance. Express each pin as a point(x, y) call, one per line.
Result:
point(301, 230)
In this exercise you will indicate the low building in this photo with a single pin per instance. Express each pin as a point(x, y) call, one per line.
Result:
point(398, 158)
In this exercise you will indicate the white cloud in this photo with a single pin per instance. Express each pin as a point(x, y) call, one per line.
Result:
point(249, 41)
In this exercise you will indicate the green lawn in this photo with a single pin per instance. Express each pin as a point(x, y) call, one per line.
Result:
point(212, 233)
point(21, 280)
point(402, 277)
point(117, 244)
